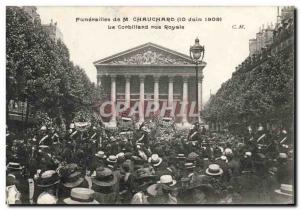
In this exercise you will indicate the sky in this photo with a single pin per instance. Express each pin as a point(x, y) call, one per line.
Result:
point(225, 47)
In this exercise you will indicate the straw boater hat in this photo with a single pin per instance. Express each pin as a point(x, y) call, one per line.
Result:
point(81, 196)
point(112, 159)
point(285, 189)
point(214, 170)
point(100, 154)
point(104, 177)
point(48, 179)
point(12, 166)
point(73, 180)
point(189, 165)
point(167, 180)
point(180, 156)
point(155, 160)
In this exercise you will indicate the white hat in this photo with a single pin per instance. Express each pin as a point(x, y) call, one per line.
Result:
point(248, 154)
point(155, 160)
point(283, 155)
point(228, 152)
point(120, 155)
point(43, 128)
point(214, 170)
point(46, 198)
point(112, 159)
point(285, 189)
point(81, 196)
point(100, 154)
point(167, 180)
point(224, 158)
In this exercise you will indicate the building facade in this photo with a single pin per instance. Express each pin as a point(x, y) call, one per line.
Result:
point(151, 74)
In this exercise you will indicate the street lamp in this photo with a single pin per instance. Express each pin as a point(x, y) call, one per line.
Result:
point(197, 55)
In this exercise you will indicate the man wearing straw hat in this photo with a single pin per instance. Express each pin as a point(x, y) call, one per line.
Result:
point(81, 196)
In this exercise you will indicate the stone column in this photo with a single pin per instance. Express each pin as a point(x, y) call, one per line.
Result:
point(170, 92)
point(156, 89)
point(113, 100)
point(127, 91)
point(98, 80)
point(142, 97)
point(185, 99)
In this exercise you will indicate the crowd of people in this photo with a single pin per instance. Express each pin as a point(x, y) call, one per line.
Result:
point(94, 165)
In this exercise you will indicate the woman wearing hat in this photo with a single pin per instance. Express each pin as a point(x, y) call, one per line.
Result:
point(104, 186)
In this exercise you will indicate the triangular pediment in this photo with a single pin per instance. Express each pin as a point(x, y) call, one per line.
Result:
point(146, 54)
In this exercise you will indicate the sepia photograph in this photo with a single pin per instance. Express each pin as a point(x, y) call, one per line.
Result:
point(136, 105)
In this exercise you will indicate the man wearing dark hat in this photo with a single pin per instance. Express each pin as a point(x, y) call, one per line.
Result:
point(104, 186)
point(71, 178)
point(126, 184)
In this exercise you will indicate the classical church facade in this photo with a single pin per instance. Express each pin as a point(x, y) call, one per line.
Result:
point(150, 73)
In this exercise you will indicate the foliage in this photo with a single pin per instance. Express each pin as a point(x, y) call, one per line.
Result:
point(39, 71)
point(259, 94)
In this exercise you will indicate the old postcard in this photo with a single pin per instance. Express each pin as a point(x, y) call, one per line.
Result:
point(150, 105)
